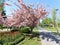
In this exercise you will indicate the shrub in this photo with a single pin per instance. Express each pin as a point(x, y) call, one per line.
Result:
point(18, 39)
point(2, 27)
point(25, 29)
point(14, 28)
point(21, 29)
point(6, 38)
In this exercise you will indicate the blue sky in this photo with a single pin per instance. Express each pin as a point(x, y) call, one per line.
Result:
point(48, 4)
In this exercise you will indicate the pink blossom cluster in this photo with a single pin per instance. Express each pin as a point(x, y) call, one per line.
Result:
point(25, 15)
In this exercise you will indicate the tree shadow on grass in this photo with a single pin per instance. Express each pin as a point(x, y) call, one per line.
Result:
point(50, 35)
point(33, 35)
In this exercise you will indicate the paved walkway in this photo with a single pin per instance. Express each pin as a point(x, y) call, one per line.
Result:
point(48, 38)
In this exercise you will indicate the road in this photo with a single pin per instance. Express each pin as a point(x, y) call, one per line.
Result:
point(48, 37)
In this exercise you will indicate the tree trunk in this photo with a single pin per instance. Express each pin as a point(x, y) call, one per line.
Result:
point(31, 30)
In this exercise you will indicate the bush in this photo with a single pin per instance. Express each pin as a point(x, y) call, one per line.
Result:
point(14, 28)
point(16, 41)
point(21, 29)
point(25, 29)
point(2, 27)
point(6, 38)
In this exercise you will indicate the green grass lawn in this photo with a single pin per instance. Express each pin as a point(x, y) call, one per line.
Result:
point(33, 41)
point(35, 30)
point(28, 41)
point(51, 29)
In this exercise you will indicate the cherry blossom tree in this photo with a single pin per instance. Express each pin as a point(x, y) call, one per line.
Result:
point(25, 15)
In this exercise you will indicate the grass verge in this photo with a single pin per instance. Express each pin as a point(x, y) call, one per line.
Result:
point(28, 41)
point(50, 28)
point(33, 41)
